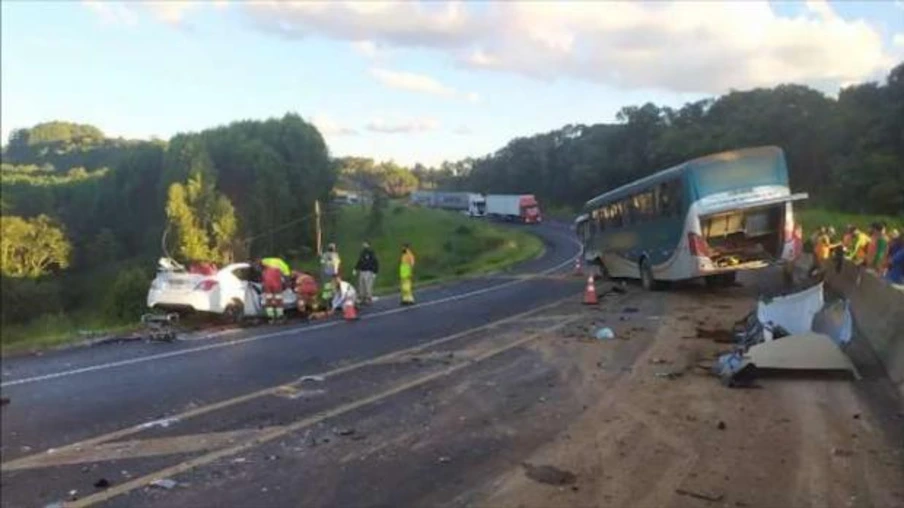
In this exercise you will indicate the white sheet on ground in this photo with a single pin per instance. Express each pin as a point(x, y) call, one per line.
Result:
point(792, 312)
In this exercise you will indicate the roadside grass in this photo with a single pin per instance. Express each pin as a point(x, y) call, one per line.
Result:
point(563, 213)
point(446, 245)
point(812, 218)
point(52, 330)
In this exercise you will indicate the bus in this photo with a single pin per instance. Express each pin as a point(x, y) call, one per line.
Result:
point(709, 217)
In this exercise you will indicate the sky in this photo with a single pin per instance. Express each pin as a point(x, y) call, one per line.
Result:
point(417, 81)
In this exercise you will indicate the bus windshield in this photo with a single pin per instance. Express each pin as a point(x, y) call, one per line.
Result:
point(743, 173)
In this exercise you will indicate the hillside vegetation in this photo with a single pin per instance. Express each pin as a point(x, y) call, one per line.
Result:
point(847, 152)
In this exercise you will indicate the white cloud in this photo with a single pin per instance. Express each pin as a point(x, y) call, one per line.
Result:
point(330, 127)
point(114, 13)
point(366, 48)
point(171, 12)
point(419, 83)
point(898, 40)
point(412, 82)
point(463, 130)
point(682, 46)
point(399, 126)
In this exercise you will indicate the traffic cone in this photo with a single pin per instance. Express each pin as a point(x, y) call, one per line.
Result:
point(590, 293)
point(349, 312)
point(577, 266)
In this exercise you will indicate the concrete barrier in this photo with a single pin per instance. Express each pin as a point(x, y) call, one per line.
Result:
point(878, 309)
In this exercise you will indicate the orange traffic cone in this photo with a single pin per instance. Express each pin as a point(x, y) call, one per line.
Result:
point(349, 312)
point(577, 266)
point(590, 293)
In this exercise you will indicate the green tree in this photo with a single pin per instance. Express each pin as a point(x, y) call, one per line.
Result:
point(32, 247)
point(203, 220)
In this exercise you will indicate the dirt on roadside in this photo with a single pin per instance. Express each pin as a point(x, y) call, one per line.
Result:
point(663, 432)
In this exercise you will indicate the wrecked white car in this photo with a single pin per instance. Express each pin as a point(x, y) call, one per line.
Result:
point(228, 292)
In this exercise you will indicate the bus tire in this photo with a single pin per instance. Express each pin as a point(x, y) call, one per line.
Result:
point(646, 275)
point(602, 270)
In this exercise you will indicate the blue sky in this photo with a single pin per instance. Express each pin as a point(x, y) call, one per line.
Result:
point(417, 82)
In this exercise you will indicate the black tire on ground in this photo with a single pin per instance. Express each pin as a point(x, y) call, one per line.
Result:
point(646, 275)
point(234, 313)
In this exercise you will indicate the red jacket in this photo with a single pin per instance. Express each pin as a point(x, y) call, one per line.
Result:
point(272, 279)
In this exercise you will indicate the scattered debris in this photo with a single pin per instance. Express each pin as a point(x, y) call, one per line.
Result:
point(856, 416)
point(317, 379)
point(659, 361)
point(4, 401)
point(346, 431)
point(444, 460)
point(669, 375)
point(715, 498)
point(721, 425)
point(841, 452)
point(604, 333)
point(164, 483)
point(794, 312)
point(836, 321)
point(630, 310)
point(549, 475)
point(720, 336)
point(239, 460)
point(103, 483)
point(276, 457)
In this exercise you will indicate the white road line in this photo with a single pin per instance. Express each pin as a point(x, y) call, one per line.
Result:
point(181, 352)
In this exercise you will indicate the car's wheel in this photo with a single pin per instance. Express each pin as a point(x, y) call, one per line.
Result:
point(234, 313)
point(646, 275)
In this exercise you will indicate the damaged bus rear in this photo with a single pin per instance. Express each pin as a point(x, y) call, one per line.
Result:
point(709, 217)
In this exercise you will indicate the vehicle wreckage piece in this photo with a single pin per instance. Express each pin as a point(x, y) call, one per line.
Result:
point(803, 352)
point(792, 312)
point(836, 321)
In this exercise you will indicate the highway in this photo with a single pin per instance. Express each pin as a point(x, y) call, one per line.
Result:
point(67, 401)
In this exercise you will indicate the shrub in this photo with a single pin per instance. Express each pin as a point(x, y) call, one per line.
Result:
point(126, 299)
point(22, 300)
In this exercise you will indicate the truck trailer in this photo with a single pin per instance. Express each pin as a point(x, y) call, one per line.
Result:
point(469, 203)
point(514, 207)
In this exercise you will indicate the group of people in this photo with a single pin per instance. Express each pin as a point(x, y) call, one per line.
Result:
point(878, 249)
point(333, 293)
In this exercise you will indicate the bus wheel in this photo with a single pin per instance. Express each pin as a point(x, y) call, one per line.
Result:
point(602, 270)
point(646, 276)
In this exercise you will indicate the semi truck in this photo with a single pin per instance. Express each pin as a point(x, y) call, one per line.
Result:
point(469, 203)
point(514, 207)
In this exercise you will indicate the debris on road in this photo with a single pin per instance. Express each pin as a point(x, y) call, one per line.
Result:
point(669, 375)
point(346, 431)
point(715, 498)
point(659, 361)
point(549, 475)
point(604, 333)
point(721, 336)
point(4, 401)
point(162, 422)
point(102, 483)
point(630, 310)
point(721, 425)
point(164, 483)
point(444, 460)
point(316, 379)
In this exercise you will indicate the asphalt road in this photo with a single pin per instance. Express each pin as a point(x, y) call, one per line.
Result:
point(113, 391)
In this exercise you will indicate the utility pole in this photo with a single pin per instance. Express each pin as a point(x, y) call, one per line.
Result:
point(317, 227)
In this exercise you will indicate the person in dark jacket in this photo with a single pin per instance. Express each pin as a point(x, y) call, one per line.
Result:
point(367, 268)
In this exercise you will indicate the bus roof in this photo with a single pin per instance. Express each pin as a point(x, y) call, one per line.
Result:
point(667, 174)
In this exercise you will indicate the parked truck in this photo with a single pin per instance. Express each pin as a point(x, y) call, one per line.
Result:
point(514, 207)
point(469, 203)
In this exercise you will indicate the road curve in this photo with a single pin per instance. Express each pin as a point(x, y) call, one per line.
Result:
point(72, 395)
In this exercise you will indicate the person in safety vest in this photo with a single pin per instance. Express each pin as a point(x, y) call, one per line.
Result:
point(406, 275)
point(273, 288)
point(859, 244)
point(343, 293)
point(306, 291)
point(279, 264)
point(877, 253)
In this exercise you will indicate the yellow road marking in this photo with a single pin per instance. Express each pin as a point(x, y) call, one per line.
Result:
point(138, 448)
point(281, 431)
point(281, 388)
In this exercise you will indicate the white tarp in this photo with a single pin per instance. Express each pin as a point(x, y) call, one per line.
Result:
point(792, 312)
point(808, 351)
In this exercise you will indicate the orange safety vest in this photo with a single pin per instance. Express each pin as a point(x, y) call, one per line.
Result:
point(822, 249)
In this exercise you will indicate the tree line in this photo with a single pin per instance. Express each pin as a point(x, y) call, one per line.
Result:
point(98, 207)
point(847, 152)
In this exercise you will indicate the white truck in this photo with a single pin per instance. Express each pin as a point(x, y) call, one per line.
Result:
point(514, 207)
point(469, 203)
